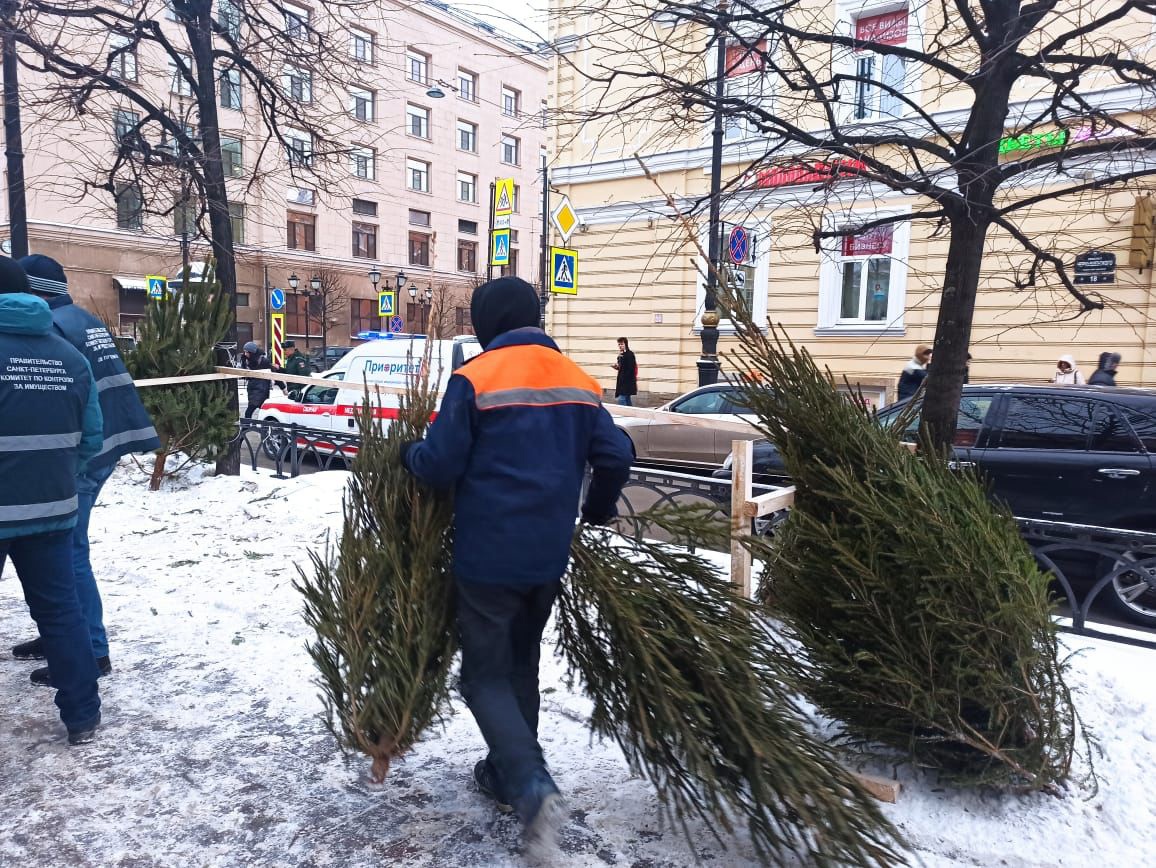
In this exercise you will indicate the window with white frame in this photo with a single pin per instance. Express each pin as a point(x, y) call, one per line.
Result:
point(745, 269)
point(467, 85)
point(361, 104)
point(467, 137)
point(122, 57)
point(298, 148)
point(229, 17)
point(511, 151)
point(880, 79)
point(299, 84)
point(362, 162)
point(361, 46)
point(863, 276)
point(231, 157)
point(511, 102)
point(467, 187)
point(748, 84)
point(230, 86)
point(178, 81)
point(417, 121)
point(417, 66)
point(417, 175)
point(296, 21)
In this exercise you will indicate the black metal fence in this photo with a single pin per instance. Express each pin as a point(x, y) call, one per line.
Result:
point(1103, 577)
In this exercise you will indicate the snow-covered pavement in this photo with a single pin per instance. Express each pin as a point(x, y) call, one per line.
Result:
point(213, 751)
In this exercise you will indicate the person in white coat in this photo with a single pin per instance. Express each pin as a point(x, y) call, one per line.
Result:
point(1067, 374)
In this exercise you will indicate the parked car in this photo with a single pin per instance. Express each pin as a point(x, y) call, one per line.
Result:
point(1077, 454)
point(658, 440)
point(324, 359)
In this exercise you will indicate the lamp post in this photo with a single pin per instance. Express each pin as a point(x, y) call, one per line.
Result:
point(708, 362)
point(13, 145)
point(315, 287)
point(294, 282)
point(375, 279)
point(424, 304)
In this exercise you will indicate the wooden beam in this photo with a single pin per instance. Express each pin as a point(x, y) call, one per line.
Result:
point(175, 381)
point(768, 503)
point(881, 789)
point(747, 429)
point(741, 483)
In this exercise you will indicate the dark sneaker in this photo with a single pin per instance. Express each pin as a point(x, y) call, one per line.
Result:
point(487, 782)
point(33, 650)
point(84, 734)
point(43, 678)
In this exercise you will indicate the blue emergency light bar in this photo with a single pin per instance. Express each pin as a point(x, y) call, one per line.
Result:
point(384, 336)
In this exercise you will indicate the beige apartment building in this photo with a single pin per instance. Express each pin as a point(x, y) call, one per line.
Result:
point(435, 105)
point(861, 304)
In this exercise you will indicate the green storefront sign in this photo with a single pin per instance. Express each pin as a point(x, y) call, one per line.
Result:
point(1033, 141)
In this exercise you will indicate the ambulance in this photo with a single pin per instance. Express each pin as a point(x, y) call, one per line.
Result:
point(386, 360)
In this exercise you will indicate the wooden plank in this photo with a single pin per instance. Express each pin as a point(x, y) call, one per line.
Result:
point(741, 476)
point(881, 789)
point(174, 381)
point(772, 501)
point(739, 427)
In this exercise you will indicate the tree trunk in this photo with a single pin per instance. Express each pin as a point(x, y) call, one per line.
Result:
point(158, 474)
point(199, 27)
point(953, 329)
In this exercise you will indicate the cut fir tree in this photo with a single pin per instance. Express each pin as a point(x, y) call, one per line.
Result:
point(380, 602)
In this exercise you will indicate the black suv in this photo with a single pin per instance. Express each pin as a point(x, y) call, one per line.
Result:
point(1077, 454)
point(332, 355)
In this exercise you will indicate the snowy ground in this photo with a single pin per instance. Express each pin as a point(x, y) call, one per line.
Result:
point(213, 753)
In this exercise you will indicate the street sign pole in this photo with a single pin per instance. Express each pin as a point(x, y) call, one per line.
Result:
point(490, 233)
point(544, 266)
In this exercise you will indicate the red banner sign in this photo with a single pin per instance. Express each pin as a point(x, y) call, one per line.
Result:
point(873, 242)
point(742, 60)
point(890, 28)
point(818, 172)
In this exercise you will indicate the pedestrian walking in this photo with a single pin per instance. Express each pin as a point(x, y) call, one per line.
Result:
point(1105, 374)
point(50, 424)
point(252, 359)
point(1067, 374)
point(626, 386)
point(127, 429)
point(914, 372)
point(517, 427)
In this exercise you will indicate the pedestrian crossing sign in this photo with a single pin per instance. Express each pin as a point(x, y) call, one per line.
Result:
point(157, 285)
point(563, 271)
point(500, 247)
point(385, 303)
point(503, 197)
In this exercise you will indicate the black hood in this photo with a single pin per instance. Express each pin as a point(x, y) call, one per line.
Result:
point(503, 305)
point(1109, 361)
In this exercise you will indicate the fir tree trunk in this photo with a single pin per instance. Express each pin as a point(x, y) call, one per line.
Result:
point(158, 474)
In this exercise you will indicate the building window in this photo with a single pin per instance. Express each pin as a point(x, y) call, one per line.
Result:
point(365, 241)
point(361, 104)
point(880, 79)
point(513, 236)
point(511, 151)
point(295, 323)
point(542, 159)
point(417, 121)
point(299, 148)
point(418, 218)
point(467, 85)
point(229, 17)
point(467, 137)
point(122, 58)
point(302, 231)
point(125, 125)
point(418, 316)
point(364, 207)
point(178, 81)
point(242, 299)
point(362, 162)
point(417, 66)
point(511, 102)
point(418, 249)
point(230, 86)
point(361, 46)
point(863, 278)
point(747, 83)
point(468, 227)
point(517, 201)
point(467, 187)
point(463, 321)
point(237, 221)
point(185, 219)
point(468, 257)
point(511, 270)
point(129, 207)
point(363, 316)
point(296, 22)
point(231, 161)
point(417, 175)
point(299, 84)
point(301, 196)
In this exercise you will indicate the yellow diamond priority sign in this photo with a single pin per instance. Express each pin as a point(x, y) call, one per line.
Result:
point(565, 219)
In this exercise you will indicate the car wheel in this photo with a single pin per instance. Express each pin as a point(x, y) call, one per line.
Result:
point(275, 443)
point(1132, 593)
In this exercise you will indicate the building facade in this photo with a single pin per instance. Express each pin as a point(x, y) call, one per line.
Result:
point(432, 107)
point(860, 304)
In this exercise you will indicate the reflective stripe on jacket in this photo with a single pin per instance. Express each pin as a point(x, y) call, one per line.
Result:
point(50, 420)
point(516, 428)
point(127, 426)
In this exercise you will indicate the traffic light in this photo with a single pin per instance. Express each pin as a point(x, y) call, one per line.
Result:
point(1143, 233)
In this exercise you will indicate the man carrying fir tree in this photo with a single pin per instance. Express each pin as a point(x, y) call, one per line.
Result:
point(515, 431)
